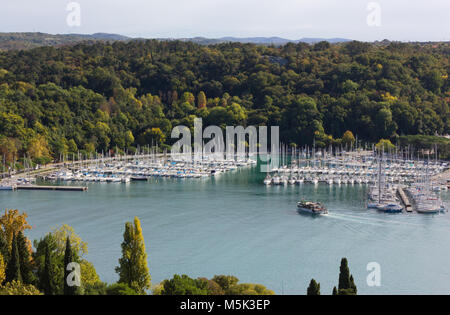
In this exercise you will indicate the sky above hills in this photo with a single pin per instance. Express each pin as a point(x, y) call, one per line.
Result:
point(406, 20)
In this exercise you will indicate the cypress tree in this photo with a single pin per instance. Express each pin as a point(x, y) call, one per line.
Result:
point(353, 285)
point(13, 267)
point(314, 288)
point(26, 263)
point(68, 258)
point(48, 275)
point(335, 292)
point(4, 250)
point(344, 275)
point(346, 283)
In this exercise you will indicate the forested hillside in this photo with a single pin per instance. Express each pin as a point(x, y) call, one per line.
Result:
point(95, 97)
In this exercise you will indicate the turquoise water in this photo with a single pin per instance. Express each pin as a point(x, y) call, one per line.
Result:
point(235, 225)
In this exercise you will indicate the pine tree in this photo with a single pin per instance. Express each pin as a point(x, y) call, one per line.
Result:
point(314, 288)
point(133, 268)
point(47, 280)
point(13, 268)
point(335, 292)
point(26, 262)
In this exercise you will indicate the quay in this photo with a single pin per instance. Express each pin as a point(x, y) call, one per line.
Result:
point(55, 188)
point(404, 199)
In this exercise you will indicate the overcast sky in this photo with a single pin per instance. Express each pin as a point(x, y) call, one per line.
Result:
point(404, 20)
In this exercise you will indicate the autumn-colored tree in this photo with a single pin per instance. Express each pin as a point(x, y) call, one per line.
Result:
point(12, 222)
point(18, 288)
point(133, 268)
point(348, 138)
point(129, 138)
point(78, 247)
point(201, 100)
point(9, 148)
point(89, 276)
point(38, 147)
point(2, 269)
point(385, 145)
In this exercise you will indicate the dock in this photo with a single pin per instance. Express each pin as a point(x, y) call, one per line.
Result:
point(54, 188)
point(405, 199)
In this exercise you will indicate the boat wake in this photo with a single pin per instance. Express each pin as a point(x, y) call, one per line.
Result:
point(369, 221)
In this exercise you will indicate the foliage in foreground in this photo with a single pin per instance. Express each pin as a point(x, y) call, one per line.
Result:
point(219, 285)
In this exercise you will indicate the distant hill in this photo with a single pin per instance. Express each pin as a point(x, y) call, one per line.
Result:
point(18, 41)
point(261, 40)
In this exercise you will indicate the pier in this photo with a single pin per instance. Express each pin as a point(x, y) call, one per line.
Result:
point(404, 199)
point(55, 188)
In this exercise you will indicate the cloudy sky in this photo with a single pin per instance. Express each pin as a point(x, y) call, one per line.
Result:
point(404, 20)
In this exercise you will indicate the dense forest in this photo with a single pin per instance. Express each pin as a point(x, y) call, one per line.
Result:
point(103, 96)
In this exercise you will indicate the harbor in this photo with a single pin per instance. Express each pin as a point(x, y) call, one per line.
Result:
point(396, 184)
point(233, 216)
point(140, 167)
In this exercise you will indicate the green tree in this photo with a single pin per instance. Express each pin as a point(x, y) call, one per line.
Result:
point(335, 292)
point(4, 250)
point(72, 146)
point(314, 288)
point(48, 280)
point(120, 289)
point(225, 282)
point(183, 285)
point(133, 267)
point(13, 268)
point(26, 261)
point(68, 258)
point(346, 283)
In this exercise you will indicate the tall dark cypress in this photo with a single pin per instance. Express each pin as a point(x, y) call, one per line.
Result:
point(13, 267)
point(344, 275)
point(68, 258)
point(314, 288)
point(47, 280)
point(26, 266)
point(4, 250)
point(353, 285)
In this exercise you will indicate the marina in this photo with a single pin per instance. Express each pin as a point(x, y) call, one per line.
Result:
point(204, 225)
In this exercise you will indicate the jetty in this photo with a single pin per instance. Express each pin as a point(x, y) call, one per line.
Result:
point(54, 188)
point(405, 200)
